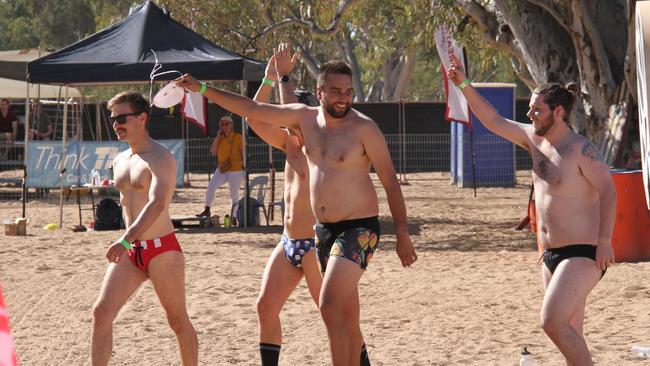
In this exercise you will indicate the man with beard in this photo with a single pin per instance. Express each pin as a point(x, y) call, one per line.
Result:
point(576, 205)
point(340, 145)
point(145, 175)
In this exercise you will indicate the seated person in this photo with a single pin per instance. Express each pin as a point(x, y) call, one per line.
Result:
point(40, 123)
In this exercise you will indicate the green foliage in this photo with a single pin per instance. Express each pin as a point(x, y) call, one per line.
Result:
point(381, 31)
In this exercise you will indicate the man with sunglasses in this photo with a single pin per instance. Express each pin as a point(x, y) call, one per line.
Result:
point(340, 145)
point(145, 175)
point(228, 147)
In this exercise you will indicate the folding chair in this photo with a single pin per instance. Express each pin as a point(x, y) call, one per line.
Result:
point(259, 184)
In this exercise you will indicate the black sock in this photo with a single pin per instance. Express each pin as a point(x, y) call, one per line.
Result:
point(365, 361)
point(270, 354)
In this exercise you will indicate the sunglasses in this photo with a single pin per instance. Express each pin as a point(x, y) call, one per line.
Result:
point(121, 118)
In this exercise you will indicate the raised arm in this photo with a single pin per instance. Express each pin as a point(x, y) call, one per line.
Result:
point(486, 113)
point(377, 150)
point(280, 115)
point(272, 134)
point(595, 170)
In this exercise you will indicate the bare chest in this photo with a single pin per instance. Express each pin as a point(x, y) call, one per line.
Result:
point(334, 147)
point(556, 168)
point(132, 174)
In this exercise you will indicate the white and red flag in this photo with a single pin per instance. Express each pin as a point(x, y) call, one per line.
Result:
point(457, 108)
point(193, 108)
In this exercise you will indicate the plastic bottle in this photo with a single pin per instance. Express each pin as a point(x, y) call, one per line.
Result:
point(226, 221)
point(94, 177)
point(526, 358)
point(640, 351)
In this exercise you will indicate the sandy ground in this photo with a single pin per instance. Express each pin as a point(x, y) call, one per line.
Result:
point(473, 297)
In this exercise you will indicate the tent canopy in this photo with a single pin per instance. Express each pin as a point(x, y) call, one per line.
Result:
point(122, 53)
point(15, 89)
point(13, 63)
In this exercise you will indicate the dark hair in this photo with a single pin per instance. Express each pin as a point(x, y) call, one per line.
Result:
point(137, 101)
point(5, 100)
point(306, 98)
point(333, 67)
point(556, 94)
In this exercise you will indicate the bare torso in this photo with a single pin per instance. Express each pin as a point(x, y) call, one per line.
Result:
point(341, 188)
point(298, 217)
point(133, 180)
point(567, 204)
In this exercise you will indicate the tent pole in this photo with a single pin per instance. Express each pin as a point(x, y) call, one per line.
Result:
point(25, 151)
point(63, 155)
point(242, 88)
point(98, 122)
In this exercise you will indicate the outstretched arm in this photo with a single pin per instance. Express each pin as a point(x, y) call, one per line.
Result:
point(280, 115)
point(486, 113)
point(375, 145)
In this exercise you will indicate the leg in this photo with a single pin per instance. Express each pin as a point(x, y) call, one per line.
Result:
point(314, 280)
point(216, 181)
point(234, 182)
point(167, 273)
point(564, 302)
point(120, 281)
point(313, 276)
point(339, 307)
point(279, 280)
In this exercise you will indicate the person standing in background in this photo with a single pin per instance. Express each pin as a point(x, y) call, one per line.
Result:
point(228, 147)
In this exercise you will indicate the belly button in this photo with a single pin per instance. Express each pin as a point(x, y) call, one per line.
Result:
point(544, 230)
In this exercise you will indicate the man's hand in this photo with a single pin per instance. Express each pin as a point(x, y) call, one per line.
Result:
point(188, 82)
point(115, 252)
point(284, 61)
point(405, 250)
point(604, 256)
point(455, 73)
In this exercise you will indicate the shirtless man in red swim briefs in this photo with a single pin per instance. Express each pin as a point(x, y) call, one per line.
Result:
point(145, 175)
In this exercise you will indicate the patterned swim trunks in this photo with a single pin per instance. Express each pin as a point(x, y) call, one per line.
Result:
point(355, 240)
point(295, 249)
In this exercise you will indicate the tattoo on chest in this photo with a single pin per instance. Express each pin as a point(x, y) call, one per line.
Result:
point(590, 151)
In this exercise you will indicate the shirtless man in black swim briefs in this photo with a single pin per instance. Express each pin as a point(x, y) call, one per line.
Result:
point(576, 205)
point(145, 175)
point(295, 254)
point(340, 145)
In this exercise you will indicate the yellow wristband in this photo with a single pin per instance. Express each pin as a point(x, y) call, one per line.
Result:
point(464, 84)
point(125, 244)
point(204, 86)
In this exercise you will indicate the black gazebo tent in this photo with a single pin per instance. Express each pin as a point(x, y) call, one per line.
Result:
point(122, 54)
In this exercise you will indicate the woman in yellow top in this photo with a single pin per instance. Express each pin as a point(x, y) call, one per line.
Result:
point(228, 147)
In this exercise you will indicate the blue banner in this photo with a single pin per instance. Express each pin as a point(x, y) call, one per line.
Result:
point(81, 158)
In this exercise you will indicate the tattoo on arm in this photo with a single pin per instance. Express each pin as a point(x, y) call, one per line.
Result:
point(590, 151)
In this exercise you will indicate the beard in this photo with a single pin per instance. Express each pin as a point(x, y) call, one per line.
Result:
point(547, 123)
point(337, 114)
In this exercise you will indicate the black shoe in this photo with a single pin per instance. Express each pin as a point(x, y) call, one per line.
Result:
point(204, 213)
point(234, 221)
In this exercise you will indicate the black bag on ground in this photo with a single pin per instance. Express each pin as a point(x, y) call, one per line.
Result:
point(108, 215)
point(253, 212)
